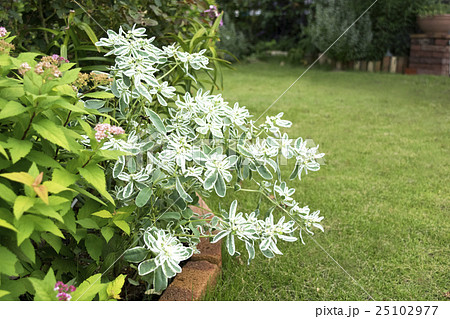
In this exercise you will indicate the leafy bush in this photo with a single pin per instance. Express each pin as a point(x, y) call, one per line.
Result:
point(233, 41)
point(188, 142)
point(96, 165)
point(267, 20)
point(332, 18)
point(51, 188)
point(434, 7)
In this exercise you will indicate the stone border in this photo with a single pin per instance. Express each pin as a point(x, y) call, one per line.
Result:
point(200, 273)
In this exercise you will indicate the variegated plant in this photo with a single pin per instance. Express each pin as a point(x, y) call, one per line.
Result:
point(184, 141)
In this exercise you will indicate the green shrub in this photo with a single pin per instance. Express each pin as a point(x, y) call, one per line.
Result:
point(332, 18)
point(53, 196)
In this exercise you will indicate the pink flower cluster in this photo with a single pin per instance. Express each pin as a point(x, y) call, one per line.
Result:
point(59, 59)
point(104, 130)
point(63, 291)
point(3, 32)
point(24, 68)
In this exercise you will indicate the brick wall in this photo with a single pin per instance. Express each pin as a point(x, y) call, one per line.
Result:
point(430, 54)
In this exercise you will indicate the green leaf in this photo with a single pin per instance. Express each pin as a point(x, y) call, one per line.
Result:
point(63, 177)
point(4, 293)
point(18, 148)
point(87, 223)
point(32, 83)
point(160, 280)
point(185, 196)
point(147, 267)
point(69, 76)
point(264, 172)
point(143, 197)
point(42, 159)
point(99, 95)
point(88, 289)
point(7, 262)
point(136, 254)
point(46, 210)
point(122, 225)
point(28, 250)
point(170, 216)
point(103, 214)
point(53, 241)
point(12, 108)
point(220, 186)
point(107, 233)
point(94, 246)
point(90, 33)
point(7, 194)
point(87, 194)
point(25, 227)
point(5, 224)
point(20, 177)
point(210, 181)
point(114, 288)
point(95, 176)
point(21, 205)
point(44, 288)
point(156, 120)
point(45, 224)
point(54, 133)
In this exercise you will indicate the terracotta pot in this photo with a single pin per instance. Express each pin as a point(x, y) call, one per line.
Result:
point(435, 24)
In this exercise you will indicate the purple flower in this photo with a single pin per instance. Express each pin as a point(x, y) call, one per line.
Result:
point(3, 32)
point(213, 13)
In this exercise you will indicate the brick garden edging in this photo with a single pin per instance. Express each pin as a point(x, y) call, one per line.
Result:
point(200, 273)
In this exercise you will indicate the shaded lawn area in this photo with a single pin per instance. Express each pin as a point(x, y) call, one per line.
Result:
point(384, 191)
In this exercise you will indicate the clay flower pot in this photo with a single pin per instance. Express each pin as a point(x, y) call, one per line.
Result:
point(435, 24)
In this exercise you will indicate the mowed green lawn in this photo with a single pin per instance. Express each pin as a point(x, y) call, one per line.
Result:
point(384, 191)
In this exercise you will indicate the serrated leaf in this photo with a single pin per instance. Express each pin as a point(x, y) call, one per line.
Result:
point(7, 194)
point(94, 246)
point(115, 287)
point(107, 233)
point(122, 225)
point(7, 262)
point(18, 148)
point(44, 288)
point(12, 108)
point(95, 176)
point(21, 205)
point(5, 224)
point(25, 227)
point(87, 223)
point(69, 76)
point(45, 224)
point(63, 177)
point(21, 177)
point(53, 241)
point(103, 214)
point(88, 289)
point(55, 134)
point(28, 250)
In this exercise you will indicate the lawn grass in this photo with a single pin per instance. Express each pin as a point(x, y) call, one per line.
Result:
point(384, 191)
